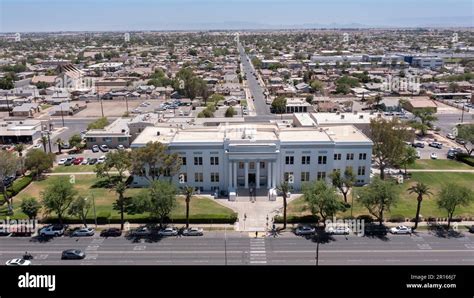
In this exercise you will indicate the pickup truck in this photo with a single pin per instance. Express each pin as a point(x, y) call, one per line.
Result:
point(52, 230)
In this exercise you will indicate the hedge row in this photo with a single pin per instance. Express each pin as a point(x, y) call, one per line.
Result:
point(469, 160)
point(215, 219)
point(17, 186)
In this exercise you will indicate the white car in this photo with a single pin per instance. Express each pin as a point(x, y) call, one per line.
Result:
point(101, 159)
point(18, 262)
point(338, 230)
point(62, 161)
point(418, 154)
point(120, 147)
point(95, 148)
point(83, 232)
point(400, 230)
point(85, 161)
point(37, 146)
point(433, 156)
point(193, 232)
point(52, 230)
point(104, 148)
point(450, 136)
point(168, 232)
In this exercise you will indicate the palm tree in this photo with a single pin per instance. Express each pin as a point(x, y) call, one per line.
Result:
point(188, 192)
point(43, 141)
point(284, 188)
point(59, 142)
point(19, 148)
point(421, 190)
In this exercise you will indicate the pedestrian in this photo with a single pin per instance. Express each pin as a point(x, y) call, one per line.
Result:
point(256, 234)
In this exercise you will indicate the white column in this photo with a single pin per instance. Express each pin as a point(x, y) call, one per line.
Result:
point(274, 174)
point(269, 174)
point(230, 174)
point(246, 173)
point(234, 165)
point(257, 178)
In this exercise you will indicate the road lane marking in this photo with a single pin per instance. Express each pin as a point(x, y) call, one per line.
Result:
point(424, 246)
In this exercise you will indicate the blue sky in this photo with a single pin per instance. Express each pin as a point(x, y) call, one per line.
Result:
point(119, 15)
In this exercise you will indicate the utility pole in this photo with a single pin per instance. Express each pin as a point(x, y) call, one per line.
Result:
point(317, 247)
point(225, 244)
point(126, 103)
point(62, 115)
point(93, 204)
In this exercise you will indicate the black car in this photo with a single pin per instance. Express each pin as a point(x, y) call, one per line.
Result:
point(471, 229)
point(93, 161)
point(73, 254)
point(418, 145)
point(111, 232)
point(460, 141)
point(375, 230)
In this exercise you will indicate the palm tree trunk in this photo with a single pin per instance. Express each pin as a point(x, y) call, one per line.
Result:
point(121, 212)
point(187, 213)
point(284, 211)
point(417, 213)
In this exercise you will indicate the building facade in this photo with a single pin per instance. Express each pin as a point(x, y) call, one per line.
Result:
point(241, 156)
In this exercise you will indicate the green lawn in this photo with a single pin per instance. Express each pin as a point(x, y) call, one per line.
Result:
point(440, 164)
point(199, 207)
point(73, 168)
point(406, 207)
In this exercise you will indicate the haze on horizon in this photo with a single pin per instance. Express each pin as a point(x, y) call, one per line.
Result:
point(135, 15)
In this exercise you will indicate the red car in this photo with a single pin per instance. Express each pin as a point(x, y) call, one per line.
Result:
point(78, 160)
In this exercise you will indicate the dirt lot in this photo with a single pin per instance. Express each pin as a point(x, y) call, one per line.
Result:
point(112, 108)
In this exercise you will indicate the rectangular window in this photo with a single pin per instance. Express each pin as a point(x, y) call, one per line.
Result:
point(321, 175)
point(350, 156)
point(337, 156)
point(322, 159)
point(362, 156)
point(107, 140)
point(241, 165)
point(183, 161)
point(214, 160)
point(214, 177)
point(289, 160)
point(304, 176)
point(262, 165)
point(289, 177)
point(198, 161)
point(122, 139)
point(198, 177)
point(252, 165)
point(361, 171)
point(305, 160)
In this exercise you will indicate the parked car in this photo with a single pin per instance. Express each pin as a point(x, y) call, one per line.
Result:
point(304, 230)
point(62, 161)
point(450, 136)
point(418, 154)
point(93, 161)
point(78, 160)
point(375, 230)
point(120, 147)
point(101, 159)
point(69, 161)
point(104, 148)
point(111, 232)
point(37, 146)
point(193, 232)
point(83, 232)
point(73, 254)
point(338, 230)
point(471, 229)
point(400, 230)
point(418, 145)
point(95, 148)
point(18, 262)
point(434, 156)
point(52, 230)
point(436, 145)
point(168, 232)
point(85, 161)
point(65, 146)
point(141, 232)
point(460, 141)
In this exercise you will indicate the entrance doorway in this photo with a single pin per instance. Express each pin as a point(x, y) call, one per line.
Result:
point(252, 179)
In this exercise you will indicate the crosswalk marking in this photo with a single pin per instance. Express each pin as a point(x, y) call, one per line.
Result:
point(258, 254)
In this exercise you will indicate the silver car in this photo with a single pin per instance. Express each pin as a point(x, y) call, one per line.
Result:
point(83, 232)
point(193, 232)
point(304, 230)
point(338, 230)
point(168, 232)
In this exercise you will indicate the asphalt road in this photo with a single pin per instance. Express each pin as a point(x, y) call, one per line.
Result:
point(261, 108)
point(235, 248)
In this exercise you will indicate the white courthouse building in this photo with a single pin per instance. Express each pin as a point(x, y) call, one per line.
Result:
point(238, 157)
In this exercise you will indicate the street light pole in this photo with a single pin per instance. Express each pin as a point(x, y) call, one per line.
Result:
point(62, 114)
point(225, 244)
point(317, 248)
point(93, 204)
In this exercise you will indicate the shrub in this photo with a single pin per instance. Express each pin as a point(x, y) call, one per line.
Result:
point(366, 218)
point(298, 219)
point(18, 185)
point(469, 160)
point(396, 218)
